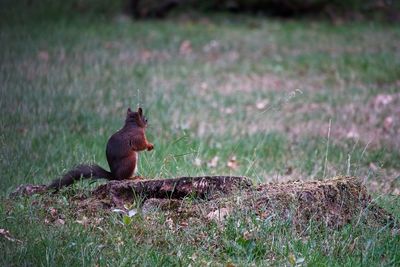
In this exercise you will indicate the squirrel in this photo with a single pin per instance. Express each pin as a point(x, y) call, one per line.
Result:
point(122, 154)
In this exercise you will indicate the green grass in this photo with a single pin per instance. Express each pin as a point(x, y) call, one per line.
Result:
point(243, 240)
point(65, 86)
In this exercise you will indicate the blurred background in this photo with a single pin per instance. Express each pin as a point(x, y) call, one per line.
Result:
point(273, 90)
point(334, 10)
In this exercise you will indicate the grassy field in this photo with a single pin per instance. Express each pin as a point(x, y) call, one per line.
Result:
point(279, 100)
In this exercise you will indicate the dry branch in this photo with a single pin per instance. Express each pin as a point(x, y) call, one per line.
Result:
point(207, 187)
point(333, 202)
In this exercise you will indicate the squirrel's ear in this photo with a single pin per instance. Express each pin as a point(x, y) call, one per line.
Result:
point(140, 111)
point(129, 111)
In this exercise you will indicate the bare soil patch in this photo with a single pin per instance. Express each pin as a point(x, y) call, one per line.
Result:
point(234, 83)
point(375, 123)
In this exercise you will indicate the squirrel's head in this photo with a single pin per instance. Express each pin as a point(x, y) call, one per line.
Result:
point(136, 117)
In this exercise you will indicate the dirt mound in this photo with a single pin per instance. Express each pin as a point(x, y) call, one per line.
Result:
point(333, 202)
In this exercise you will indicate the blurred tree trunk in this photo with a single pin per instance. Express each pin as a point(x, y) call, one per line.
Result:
point(151, 8)
point(283, 8)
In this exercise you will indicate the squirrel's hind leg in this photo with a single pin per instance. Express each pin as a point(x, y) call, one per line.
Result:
point(134, 175)
point(125, 168)
point(136, 164)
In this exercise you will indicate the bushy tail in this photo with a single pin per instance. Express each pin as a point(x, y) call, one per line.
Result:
point(80, 172)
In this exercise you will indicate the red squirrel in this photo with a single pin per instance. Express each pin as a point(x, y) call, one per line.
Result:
point(122, 154)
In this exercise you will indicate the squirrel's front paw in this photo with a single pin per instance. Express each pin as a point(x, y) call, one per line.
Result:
point(150, 147)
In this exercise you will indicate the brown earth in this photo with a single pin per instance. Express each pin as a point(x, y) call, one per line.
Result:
point(332, 202)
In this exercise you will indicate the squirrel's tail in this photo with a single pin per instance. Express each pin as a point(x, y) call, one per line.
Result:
point(80, 172)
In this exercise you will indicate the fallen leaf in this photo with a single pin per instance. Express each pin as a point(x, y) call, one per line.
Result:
point(146, 55)
point(218, 215)
point(353, 134)
point(212, 46)
point(292, 259)
point(197, 162)
point(170, 223)
point(193, 257)
point(185, 48)
point(204, 86)
point(247, 235)
point(373, 167)
point(126, 220)
point(300, 261)
point(232, 163)
point(388, 123)
point(396, 192)
point(60, 221)
point(98, 220)
point(118, 211)
point(43, 56)
point(53, 211)
point(262, 104)
point(227, 110)
point(84, 221)
point(184, 224)
point(132, 212)
point(353, 244)
point(213, 162)
point(382, 100)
